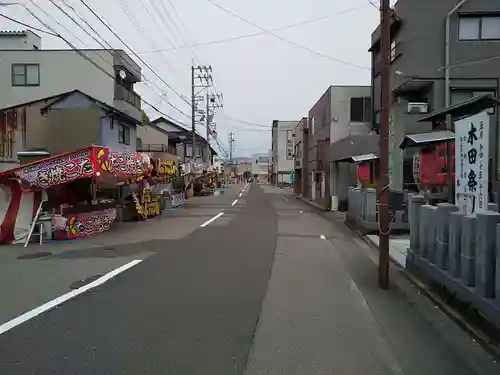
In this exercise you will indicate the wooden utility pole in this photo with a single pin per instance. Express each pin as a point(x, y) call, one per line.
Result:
point(383, 217)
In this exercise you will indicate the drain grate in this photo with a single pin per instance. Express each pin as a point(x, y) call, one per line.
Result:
point(39, 255)
point(87, 280)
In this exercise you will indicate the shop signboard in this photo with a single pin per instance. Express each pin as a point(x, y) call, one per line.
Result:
point(58, 170)
point(167, 169)
point(471, 160)
point(81, 225)
point(83, 163)
point(120, 164)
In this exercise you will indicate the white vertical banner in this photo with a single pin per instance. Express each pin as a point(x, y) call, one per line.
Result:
point(471, 163)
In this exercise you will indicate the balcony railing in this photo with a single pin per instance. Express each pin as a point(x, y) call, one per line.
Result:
point(131, 97)
point(157, 148)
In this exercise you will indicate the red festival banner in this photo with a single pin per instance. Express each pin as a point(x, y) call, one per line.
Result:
point(58, 169)
point(84, 163)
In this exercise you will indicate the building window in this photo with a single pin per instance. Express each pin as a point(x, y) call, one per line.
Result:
point(123, 134)
point(361, 109)
point(25, 75)
point(485, 27)
point(461, 95)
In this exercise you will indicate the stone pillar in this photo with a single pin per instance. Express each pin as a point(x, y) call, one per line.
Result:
point(468, 263)
point(493, 207)
point(485, 252)
point(370, 205)
point(455, 243)
point(497, 274)
point(442, 229)
point(414, 212)
point(427, 231)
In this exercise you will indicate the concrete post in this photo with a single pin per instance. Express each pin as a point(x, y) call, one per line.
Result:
point(497, 273)
point(427, 231)
point(442, 233)
point(485, 252)
point(455, 243)
point(414, 212)
point(493, 207)
point(370, 205)
point(468, 263)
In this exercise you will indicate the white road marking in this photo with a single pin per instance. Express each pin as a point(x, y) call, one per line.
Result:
point(211, 220)
point(240, 195)
point(285, 198)
point(65, 297)
point(322, 237)
point(301, 212)
point(235, 201)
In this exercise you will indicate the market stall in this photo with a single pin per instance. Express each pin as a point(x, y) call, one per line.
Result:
point(78, 190)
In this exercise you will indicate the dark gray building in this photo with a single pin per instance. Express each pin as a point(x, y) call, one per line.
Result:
point(427, 37)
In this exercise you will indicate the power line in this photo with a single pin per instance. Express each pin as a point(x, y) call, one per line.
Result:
point(248, 122)
point(26, 25)
point(104, 45)
point(132, 51)
point(91, 61)
point(287, 40)
point(284, 27)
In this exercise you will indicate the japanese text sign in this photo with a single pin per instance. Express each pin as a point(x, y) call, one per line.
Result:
point(471, 161)
point(58, 170)
point(80, 225)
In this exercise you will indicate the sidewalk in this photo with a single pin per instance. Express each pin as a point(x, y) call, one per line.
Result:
point(324, 310)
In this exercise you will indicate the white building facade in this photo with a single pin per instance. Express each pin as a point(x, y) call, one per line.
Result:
point(282, 151)
point(29, 73)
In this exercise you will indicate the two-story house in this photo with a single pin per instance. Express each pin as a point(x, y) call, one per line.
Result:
point(29, 73)
point(282, 151)
point(157, 141)
point(342, 112)
point(185, 144)
point(62, 123)
point(429, 39)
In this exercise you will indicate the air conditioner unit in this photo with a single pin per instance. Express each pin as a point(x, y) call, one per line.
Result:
point(418, 107)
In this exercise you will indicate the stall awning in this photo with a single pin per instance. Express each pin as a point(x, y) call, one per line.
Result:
point(344, 150)
point(82, 163)
point(468, 107)
point(363, 158)
point(425, 139)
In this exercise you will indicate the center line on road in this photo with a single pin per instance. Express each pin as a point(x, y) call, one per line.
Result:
point(240, 195)
point(235, 201)
point(285, 198)
point(322, 237)
point(65, 297)
point(301, 212)
point(211, 220)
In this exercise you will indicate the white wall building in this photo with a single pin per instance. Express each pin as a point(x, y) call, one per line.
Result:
point(261, 166)
point(29, 73)
point(282, 150)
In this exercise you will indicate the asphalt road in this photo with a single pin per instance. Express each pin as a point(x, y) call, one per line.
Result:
point(192, 308)
point(271, 287)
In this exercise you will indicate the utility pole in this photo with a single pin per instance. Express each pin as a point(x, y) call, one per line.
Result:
point(201, 78)
point(214, 101)
point(231, 145)
point(193, 112)
point(383, 209)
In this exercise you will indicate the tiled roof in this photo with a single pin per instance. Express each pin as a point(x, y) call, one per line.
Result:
point(12, 32)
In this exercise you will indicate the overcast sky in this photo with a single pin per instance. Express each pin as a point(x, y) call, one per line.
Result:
point(262, 77)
